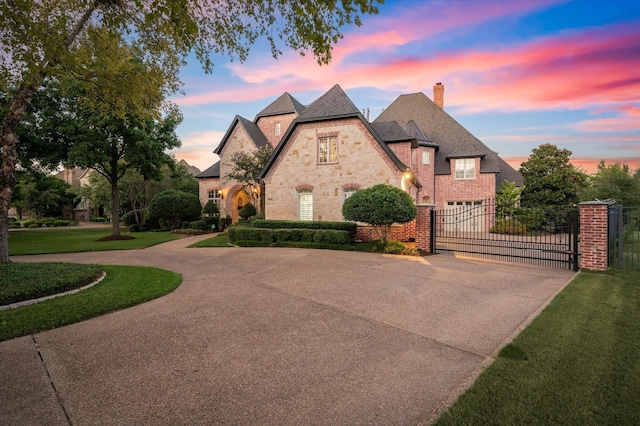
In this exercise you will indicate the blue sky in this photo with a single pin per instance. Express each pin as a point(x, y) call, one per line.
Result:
point(517, 74)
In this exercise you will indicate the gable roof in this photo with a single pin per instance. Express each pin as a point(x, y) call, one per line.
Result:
point(211, 172)
point(334, 104)
point(285, 104)
point(451, 137)
point(252, 129)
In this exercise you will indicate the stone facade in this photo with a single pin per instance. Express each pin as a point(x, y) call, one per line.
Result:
point(359, 163)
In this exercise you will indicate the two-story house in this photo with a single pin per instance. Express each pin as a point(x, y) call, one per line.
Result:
point(327, 150)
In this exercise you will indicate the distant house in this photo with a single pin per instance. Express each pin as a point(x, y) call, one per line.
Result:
point(327, 150)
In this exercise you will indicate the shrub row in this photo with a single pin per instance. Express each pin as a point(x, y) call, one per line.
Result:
point(268, 236)
point(350, 227)
point(44, 222)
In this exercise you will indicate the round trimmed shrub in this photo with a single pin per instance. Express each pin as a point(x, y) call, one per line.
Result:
point(247, 211)
point(170, 207)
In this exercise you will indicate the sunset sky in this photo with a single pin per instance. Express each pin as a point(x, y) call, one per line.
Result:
point(517, 74)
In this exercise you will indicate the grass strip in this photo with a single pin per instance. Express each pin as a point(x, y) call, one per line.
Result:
point(24, 281)
point(46, 241)
point(124, 286)
point(217, 241)
point(578, 362)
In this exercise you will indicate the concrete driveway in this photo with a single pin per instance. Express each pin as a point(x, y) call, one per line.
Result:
point(276, 336)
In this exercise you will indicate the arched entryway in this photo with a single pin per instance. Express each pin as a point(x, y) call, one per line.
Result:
point(238, 200)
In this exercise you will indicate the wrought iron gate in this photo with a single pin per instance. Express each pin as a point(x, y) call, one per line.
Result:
point(624, 237)
point(483, 229)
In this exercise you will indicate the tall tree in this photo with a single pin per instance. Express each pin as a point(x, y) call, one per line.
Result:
point(614, 181)
point(550, 180)
point(43, 39)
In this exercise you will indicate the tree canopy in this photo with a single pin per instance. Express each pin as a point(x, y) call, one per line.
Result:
point(614, 181)
point(380, 206)
point(45, 39)
point(550, 180)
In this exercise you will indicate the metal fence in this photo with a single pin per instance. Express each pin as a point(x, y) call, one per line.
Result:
point(485, 229)
point(624, 238)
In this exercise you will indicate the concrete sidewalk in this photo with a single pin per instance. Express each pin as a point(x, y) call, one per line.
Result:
point(275, 336)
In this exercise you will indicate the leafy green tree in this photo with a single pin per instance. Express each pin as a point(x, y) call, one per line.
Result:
point(48, 39)
point(182, 180)
point(246, 168)
point(550, 180)
point(171, 207)
point(44, 195)
point(508, 198)
point(380, 206)
point(614, 181)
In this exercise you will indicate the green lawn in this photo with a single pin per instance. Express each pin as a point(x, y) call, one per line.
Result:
point(578, 363)
point(124, 286)
point(46, 241)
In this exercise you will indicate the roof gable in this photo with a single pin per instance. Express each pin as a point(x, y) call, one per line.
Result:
point(333, 104)
point(211, 172)
point(252, 129)
point(285, 104)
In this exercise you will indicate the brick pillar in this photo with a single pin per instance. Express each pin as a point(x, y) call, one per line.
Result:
point(423, 227)
point(594, 235)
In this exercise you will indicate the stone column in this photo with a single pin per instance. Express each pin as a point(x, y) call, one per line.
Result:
point(594, 221)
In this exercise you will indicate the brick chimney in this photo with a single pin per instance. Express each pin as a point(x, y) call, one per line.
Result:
point(438, 95)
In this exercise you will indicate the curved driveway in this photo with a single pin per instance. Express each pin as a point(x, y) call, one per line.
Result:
point(275, 336)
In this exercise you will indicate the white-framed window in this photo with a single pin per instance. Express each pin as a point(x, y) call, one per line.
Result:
point(465, 168)
point(276, 129)
point(305, 205)
point(348, 193)
point(426, 157)
point(215, 196)
point(328, 150)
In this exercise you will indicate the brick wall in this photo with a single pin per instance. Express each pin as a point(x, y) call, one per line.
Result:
point(451, 189)
point(423, 228)
point(593, 235)
point(397, 232)
point(267, 125)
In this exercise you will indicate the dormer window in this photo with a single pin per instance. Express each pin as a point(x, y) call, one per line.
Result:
point(465, 168)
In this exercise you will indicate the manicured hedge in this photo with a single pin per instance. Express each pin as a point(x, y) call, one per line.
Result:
point(267, 235)
point(305, 224)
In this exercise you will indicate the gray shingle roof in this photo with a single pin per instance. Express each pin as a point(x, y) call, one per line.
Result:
point(412, 129)
point(285, 104)
point(450, 136)
point(333, 104)
point(252, 129)
point(211, 172)
point(390, 131)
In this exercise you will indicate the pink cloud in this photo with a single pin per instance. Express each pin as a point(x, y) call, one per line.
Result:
point(374, 42)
